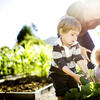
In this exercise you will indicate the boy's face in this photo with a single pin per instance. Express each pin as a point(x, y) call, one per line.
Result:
point(70, 37)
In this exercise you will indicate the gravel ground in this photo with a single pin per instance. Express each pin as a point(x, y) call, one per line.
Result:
point(47, 94)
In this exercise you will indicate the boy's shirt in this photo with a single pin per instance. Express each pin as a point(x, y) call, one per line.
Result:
point(64, 56)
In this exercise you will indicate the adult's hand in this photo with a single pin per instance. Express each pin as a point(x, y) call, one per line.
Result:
point(84, 53)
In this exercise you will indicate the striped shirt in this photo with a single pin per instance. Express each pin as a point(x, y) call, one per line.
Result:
point(64, 56)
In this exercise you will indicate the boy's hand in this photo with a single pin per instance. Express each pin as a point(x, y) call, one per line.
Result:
point(88, 75)
point(77, 78)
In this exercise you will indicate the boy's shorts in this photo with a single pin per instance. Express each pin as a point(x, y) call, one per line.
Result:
point(62, 83)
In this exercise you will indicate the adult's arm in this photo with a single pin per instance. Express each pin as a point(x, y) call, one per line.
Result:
point(84, 53)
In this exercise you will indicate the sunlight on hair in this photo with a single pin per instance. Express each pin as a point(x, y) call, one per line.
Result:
point(93, 55)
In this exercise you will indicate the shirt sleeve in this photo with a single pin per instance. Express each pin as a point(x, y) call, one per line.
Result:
point(77, 53)
point(57, 56)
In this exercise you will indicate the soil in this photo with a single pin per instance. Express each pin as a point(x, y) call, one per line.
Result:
point(28, 84)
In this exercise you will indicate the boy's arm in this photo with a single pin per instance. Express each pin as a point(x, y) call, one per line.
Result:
point(61, 63)
point(72, 74)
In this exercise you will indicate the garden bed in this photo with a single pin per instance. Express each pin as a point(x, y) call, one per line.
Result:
point(28, 88)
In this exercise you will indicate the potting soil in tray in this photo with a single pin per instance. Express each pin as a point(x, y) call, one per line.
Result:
point(28, 84)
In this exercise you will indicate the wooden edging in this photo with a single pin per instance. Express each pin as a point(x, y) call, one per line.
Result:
point(2, 80)
point(46, 87)
point(27, 95)
point(12, 78)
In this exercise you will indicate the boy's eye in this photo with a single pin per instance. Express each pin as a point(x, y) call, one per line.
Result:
point(72, 34)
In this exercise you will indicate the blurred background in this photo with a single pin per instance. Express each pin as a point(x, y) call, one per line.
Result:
point(44, 14)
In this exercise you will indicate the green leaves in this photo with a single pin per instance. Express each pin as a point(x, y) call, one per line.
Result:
point(91, 73)
point(90, 91)
point(31, 60)
point(83, 80)
point(73, 94)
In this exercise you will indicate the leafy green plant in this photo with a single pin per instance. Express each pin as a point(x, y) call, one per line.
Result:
point(31, 56)
point(84, 80)
point(6, 55)
point(31, 60)
point(73, 94)
point(90, 91)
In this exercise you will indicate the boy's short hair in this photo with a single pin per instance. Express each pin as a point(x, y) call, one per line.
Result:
point(68, 23)
point(95, 57)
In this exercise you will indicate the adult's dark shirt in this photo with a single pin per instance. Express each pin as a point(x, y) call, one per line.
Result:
point(87, 42)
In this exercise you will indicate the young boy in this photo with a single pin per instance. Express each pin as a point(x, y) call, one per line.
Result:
point(66, 54)
point(96, 60)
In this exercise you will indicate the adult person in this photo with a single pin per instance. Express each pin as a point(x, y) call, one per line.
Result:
point(89, 20)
